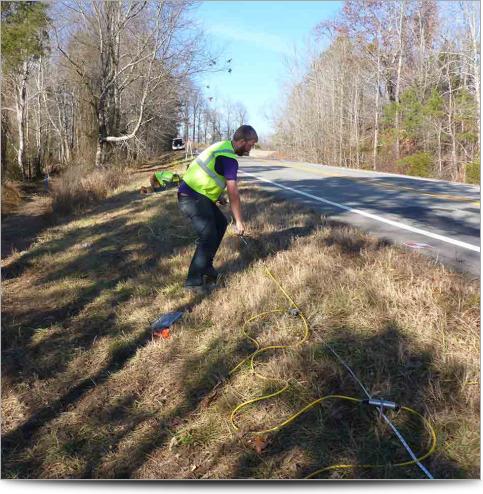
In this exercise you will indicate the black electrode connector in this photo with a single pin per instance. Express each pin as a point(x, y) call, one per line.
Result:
point(294, 312)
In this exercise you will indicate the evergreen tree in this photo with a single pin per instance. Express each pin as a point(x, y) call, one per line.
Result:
point(24, 32)
point(24, 41)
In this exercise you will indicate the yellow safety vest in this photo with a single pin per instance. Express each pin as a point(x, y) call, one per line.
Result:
point(201, 175)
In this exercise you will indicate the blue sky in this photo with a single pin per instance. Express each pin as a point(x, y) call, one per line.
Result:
point(258, 36)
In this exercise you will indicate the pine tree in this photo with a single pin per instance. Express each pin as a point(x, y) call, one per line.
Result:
point(24, 40)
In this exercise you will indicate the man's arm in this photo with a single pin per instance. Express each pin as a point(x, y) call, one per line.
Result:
point(232, 189)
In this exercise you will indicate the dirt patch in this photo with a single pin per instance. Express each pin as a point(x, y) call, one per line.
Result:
point(23, 223)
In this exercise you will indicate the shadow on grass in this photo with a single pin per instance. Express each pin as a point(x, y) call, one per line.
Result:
point(211, 369)
point(76, 237)
point(107, 266)
point(21, 226)
point(20, 438)
point(108, 261)
point(391, 366)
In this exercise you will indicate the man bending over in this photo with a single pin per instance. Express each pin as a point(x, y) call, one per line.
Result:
point(208, 175)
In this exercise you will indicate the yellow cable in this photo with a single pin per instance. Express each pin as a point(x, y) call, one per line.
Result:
point(400, 464)
point(258, 350)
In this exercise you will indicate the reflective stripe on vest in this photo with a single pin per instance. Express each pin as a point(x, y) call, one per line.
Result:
point(204, 164)
point(207, 165)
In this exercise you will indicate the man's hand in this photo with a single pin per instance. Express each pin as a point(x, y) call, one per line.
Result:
point(222, 201)
point(240, 228)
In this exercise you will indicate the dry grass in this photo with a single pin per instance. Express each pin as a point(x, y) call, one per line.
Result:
point(87, 393)
point(169, 160)
point(11, 197)
point(77, 189)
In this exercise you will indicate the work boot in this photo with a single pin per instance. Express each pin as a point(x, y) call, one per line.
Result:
point(194, 284)
point(211, 276)
point(197, 289)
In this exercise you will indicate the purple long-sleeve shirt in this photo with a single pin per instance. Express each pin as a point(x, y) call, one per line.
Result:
point(228, 167)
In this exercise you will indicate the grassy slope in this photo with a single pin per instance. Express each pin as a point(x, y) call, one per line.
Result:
point(87, 392)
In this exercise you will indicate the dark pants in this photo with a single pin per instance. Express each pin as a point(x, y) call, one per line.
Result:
point(210, 225)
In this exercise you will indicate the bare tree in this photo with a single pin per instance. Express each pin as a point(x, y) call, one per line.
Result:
point(398, 86)
point(471, 11)
point(137, 49)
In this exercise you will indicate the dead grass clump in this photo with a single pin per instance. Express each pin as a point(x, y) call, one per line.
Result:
point(76, 190)
point(11, 197)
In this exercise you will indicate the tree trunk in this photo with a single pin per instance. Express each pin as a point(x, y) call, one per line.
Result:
point(334, 148)
point(100, 152)
point(356, 117)
point(451, 127)
point(4, 145)
point(199, 126)
point(398, 79)
point(376, 114)
point(341, 122)
point(20, 104)
point(39, 122)
point(440, 161)
point(476, 72)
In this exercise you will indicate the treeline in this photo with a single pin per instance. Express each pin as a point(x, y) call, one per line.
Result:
point(95, 83)
point(206, 119)
point(398, 89)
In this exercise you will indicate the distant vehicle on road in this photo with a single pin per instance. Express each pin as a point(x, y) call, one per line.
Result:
point(177, 144)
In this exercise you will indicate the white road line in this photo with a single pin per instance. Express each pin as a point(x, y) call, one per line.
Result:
point(397, 224)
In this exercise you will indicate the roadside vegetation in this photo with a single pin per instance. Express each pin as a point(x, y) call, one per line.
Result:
point(397, 89)
point(88, 392)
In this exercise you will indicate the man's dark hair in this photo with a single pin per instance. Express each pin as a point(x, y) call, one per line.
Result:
point(245, 133)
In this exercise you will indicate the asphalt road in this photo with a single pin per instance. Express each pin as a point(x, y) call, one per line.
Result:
point(434, 217)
